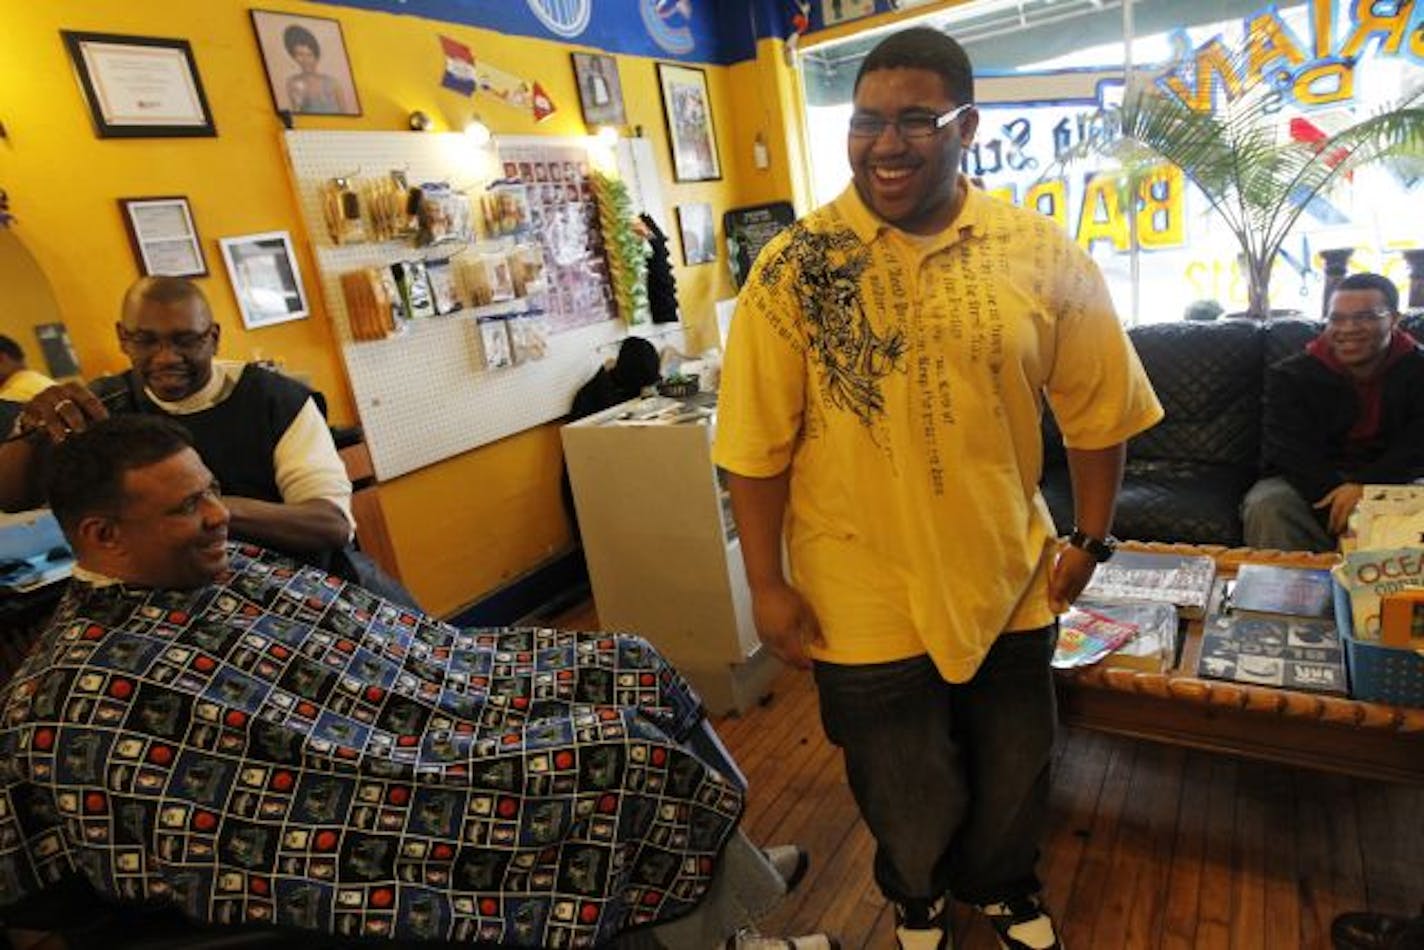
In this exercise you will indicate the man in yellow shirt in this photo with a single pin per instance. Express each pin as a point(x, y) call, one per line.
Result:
point(18, 383)
point(881, 402)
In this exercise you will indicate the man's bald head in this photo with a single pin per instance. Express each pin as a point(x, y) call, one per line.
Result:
point(163, 291)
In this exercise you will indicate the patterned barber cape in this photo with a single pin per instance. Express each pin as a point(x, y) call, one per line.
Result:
point(283, 748)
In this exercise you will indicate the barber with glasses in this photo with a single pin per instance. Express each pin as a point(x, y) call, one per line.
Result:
point(879, 412)
point(260, 432)
point(1345, 413)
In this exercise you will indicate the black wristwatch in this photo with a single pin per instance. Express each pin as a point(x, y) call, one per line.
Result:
point(1100, 548)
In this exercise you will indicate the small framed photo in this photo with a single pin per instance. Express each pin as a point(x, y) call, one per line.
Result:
point(164, 238)
point(688, 110)
point(600, 92)
point(307, 67)
point(265, 279)
point(140, 86)
point(698, 243)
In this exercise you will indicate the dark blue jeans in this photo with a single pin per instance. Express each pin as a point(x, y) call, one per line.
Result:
point(952, 779)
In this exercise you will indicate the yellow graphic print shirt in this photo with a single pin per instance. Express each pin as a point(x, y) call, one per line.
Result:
point(902, 380)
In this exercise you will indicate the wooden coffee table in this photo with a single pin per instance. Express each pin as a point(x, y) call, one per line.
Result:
point(1278, 725)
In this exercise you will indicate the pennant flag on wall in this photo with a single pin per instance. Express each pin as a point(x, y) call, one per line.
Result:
point(504, 86)
point(542, 104)
point(459, 67)
point(466, 76)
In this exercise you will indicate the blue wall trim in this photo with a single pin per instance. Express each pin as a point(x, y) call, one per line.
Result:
point(720, 32)
point(702, 31)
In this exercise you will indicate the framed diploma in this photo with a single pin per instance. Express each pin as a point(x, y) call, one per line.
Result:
point(140, 86)
point(163, 236)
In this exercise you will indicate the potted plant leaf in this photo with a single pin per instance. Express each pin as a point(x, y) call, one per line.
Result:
point(1242, 155)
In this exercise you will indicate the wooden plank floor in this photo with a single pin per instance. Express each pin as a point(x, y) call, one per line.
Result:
point(1148, 846)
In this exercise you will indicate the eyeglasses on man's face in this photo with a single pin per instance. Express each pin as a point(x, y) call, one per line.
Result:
point(913, 126)
point(187, 342)
point(1358, 317)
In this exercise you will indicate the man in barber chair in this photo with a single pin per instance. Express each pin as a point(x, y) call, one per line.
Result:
point(261, 432)
point(212, 730)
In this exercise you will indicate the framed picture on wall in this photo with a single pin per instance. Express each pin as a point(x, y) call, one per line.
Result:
point(688, 110)
point(265, 279)
point(164, 238)
point(140, 86)
point(694, 221)
point(307, 67)
point(600, 92)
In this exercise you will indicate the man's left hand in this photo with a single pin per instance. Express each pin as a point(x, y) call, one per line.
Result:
point(1071, 571)
point(1341, 501)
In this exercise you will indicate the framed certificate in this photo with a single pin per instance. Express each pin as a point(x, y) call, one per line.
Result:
point(265, 278)
point(140, 86)
point(164, 238)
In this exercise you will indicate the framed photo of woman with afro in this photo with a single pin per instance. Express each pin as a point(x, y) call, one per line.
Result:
point(306, 63)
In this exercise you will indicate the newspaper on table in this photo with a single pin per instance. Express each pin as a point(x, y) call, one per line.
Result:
point(1181, 579)
point(1387, 516)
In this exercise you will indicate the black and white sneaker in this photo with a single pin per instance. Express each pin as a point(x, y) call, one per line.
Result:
point(749, 939)
point(790, 861)
point(1366, 930)
point(1022, 924)
point(922, 925)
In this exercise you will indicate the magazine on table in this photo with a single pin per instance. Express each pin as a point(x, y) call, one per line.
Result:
point(1141, 636)
point(1368, 576)
point(1288, 652)
point(1184, 580)
point(1287, 591)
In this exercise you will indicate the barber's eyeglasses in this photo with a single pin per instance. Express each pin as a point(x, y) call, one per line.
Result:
point(910, 126)
point(1358, 318)
point(187, 342)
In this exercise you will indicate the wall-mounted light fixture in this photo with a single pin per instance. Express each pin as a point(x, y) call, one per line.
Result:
point(761, 157)
point(478, 132)
point(419, 121)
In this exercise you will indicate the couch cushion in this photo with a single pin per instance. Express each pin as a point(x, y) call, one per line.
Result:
point(1287, 338)
point(1164, 501)
point(1188, 502)
point(1057, 490)
point(1208, 377)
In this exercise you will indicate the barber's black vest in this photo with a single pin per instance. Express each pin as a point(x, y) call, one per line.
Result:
point(236, 438)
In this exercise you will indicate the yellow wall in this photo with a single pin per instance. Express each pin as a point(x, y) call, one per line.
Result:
point(28, 298)
point(462, 526)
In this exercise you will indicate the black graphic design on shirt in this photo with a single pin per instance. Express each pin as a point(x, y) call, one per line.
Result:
point(853, 358)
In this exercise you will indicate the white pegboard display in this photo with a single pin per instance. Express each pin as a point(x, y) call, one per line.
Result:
point(426, 395)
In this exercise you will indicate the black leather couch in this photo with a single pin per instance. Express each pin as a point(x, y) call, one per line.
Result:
point(1186, 476)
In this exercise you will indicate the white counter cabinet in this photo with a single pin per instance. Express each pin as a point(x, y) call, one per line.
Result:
point(663, 556)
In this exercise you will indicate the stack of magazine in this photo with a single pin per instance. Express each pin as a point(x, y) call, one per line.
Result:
point(1275, 628)
point(1384, 564)
point(1129, 615)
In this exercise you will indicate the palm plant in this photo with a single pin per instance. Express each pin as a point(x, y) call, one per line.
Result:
point(1241, 155)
